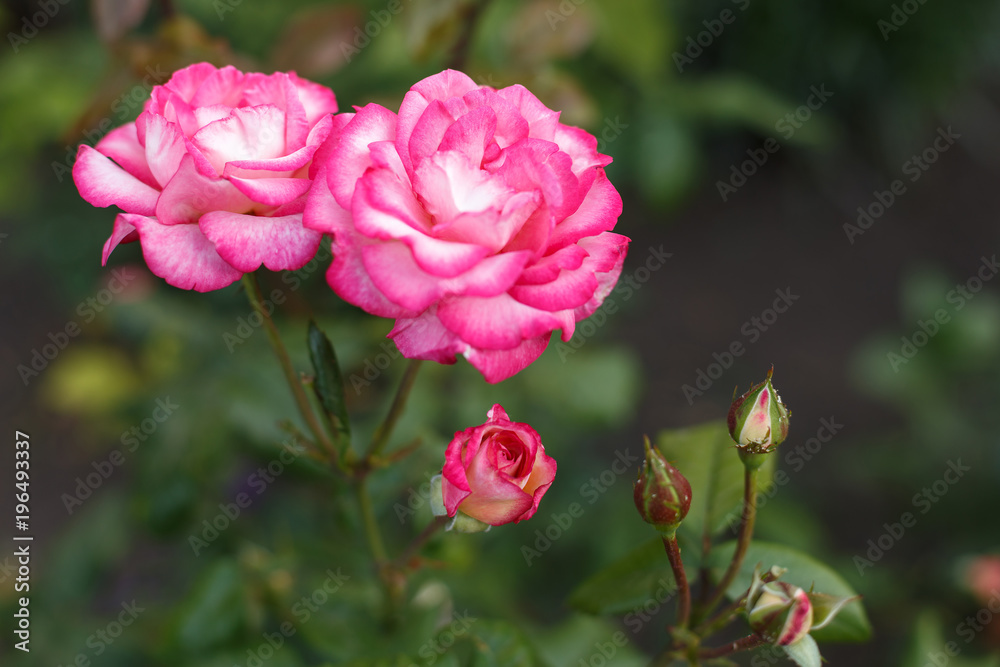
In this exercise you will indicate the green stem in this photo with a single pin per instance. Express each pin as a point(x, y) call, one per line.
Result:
point(372, 532)
point(683, 590)
point(420, 540)
point(744, 644)
point(743, 541)
point(460, 51)
point(384, 431)
point(720, 620)
point(298, 392)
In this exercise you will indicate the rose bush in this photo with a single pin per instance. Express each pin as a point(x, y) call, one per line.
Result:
point(496, 473)
point(473, 217)
point(212, 176)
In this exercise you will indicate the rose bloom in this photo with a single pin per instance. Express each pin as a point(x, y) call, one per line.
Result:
point(212, 176)
point(473, 217)
point(496, 473)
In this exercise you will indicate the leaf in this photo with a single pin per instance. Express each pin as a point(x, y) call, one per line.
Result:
point(215, 611)
point(804, 652)
point(706, 456)
point(114, 18)
point(850, 625)
point(929, 646)
point(329, 383)
point(500, 644)
point(635, 578)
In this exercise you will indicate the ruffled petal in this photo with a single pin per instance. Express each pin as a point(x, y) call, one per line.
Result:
point(248, 241)
point(123, 232)
point(181, 255)
point(189, 194)
point(498, 365)
point(102, 183)
point(122, 145)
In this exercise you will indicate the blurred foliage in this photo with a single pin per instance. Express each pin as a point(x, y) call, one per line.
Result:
point(610, 66)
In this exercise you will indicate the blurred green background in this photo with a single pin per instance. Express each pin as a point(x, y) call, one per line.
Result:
point(705, 107)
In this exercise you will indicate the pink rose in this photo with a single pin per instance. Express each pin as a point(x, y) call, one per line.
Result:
point(212, 177)
point(498, 472)
point(474, 218)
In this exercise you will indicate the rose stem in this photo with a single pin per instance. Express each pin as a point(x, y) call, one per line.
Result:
point(683, 590)
point(460, 51)
point(725, 615)
point(745, 644)
point(384, 431)
point(420, 540)
point(746, 532)
point(298, 392)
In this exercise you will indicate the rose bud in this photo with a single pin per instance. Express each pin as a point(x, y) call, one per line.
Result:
point(781, 612)
point(758, 420)
point(662, 494)
point(496, 473)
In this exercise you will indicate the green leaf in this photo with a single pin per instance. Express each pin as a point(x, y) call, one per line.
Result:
point(928, 640)
point(633, 579)
point(706, 456)
point(804, 652)
point(329, 384)
point(500, 644)
point(215, 611)
point(850, 625)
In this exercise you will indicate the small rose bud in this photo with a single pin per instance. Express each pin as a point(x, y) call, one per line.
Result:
point(781, 612)
point(662, 494)
point(758, 420)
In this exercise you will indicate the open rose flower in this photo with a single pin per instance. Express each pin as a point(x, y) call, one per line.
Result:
point(496, 473)
point(473, 217)
point(212, 176)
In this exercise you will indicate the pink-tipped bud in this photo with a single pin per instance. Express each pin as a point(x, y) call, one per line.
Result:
point(758, 420)
point(662, 494)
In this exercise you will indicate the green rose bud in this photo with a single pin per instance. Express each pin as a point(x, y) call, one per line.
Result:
point(662, 494)
point(758, 420)
point(785, 613)
point(781, 612)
